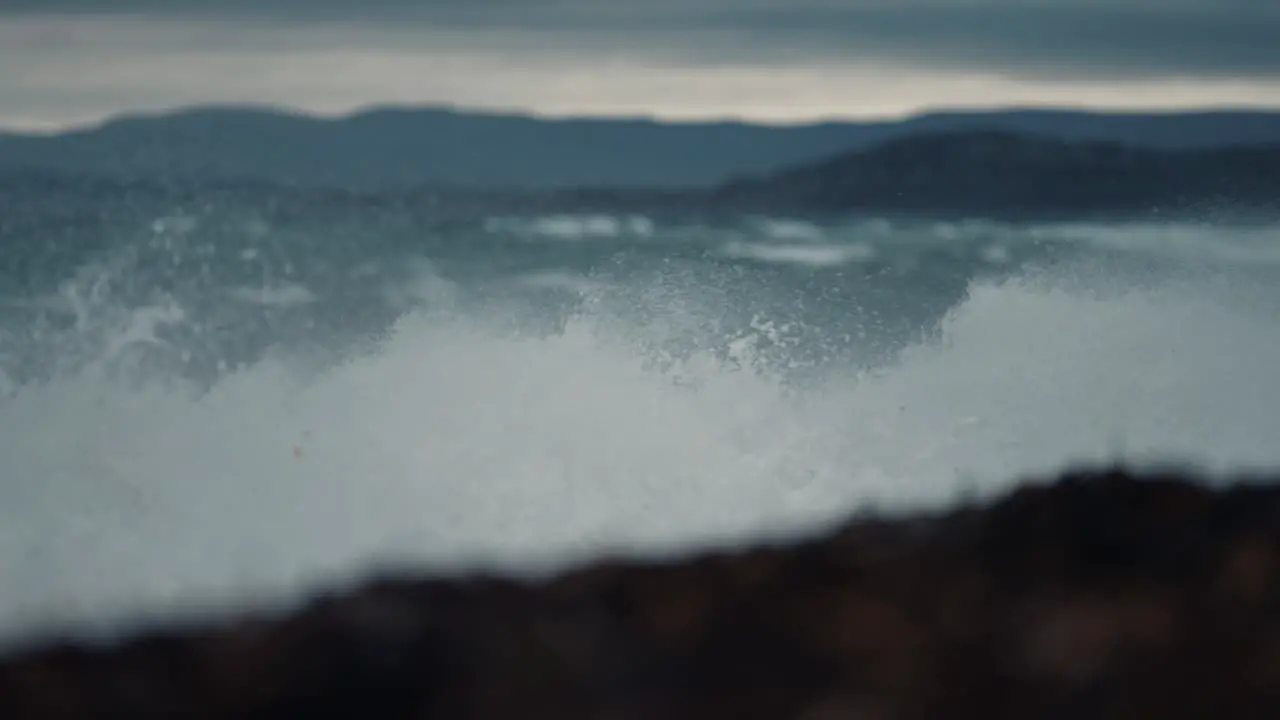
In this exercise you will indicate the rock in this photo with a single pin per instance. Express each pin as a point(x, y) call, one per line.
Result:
point(1101, 595)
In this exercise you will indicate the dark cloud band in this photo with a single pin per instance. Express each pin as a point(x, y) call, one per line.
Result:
point(1028, 38)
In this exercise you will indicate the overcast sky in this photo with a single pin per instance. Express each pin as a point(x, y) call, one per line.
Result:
point(73, 61)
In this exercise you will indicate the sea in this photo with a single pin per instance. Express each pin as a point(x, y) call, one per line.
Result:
point(213, 401)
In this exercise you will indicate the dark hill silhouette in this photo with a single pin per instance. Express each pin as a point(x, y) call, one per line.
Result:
point(402, 148)
point(995, 172)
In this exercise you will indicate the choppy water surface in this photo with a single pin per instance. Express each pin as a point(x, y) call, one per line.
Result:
point(229, 399)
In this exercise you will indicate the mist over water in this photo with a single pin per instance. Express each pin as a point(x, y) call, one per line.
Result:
point(240, 402)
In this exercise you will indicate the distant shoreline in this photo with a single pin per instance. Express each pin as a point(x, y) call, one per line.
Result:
point(400, 149)
point(1019, 164)
point(479, 111)
point(475, 204)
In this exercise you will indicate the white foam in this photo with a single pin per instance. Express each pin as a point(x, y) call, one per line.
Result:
point(792, 230)
point(995, 254)
point(806, 255)
point(573, 227)
point(558, 280)
point(284, 295)
point(457, 443)
point(1245, 246)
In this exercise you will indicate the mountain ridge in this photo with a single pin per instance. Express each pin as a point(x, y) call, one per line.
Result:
point(993, 172)
point(988, 173)
point(403, 146)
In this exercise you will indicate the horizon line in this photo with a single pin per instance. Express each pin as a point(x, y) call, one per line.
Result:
point(86, 126)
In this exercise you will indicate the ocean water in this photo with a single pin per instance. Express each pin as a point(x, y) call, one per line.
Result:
point(222, 400)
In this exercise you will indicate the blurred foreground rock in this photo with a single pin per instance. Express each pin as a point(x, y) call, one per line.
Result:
point(1100, 595)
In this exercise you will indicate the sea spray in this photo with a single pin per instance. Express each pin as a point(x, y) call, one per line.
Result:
point(173, 441)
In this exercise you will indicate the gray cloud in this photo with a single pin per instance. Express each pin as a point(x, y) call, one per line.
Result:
point(76, 61)
point(1029, 38)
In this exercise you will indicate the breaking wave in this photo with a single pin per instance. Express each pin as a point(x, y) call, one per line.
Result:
point(457, 437)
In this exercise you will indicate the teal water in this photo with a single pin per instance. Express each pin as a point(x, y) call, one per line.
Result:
point(231, 398)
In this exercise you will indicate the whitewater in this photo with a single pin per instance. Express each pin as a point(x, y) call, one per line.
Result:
point(213, 404)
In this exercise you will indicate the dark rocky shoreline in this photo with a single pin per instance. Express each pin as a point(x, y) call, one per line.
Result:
point(1099, 594)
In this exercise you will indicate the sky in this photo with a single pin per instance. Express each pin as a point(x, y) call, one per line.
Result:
point(72, 62)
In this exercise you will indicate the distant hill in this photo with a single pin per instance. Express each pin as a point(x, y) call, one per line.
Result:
point(403, 148)
point(1000, 173)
